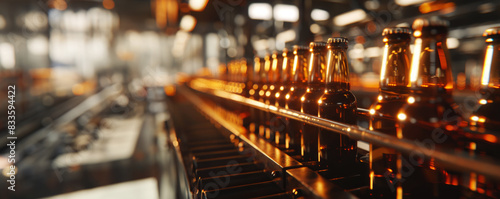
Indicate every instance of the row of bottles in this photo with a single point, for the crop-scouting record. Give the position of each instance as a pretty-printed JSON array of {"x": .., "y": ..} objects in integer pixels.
[{"x": 414, "y": 103}]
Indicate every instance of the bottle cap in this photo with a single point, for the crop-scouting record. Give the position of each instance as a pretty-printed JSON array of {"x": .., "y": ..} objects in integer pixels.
[
  {"x": 300, "y": 48},
  {"x": 341, "y": 40},
  {"x": 396, "y": 30},
  {"x": 316, "y": 44}
]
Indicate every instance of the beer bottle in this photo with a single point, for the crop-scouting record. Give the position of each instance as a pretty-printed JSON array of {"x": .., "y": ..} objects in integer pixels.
[
  {"x": 486, "y": 116},
  {"x": 253, "y": 93},
  {"x": 245, "y": 83},
  {"x": 264, "y": 95},
  {"x": 309, "y": 101},
  {"x": 484, "y": 121},
  {"x": 286, "y": 83},
  {"x": 297, "y": 90},
  {"x": 429, "y": 116},
  {"x": 277, "y": 71},
  {"x": 393, "y": 93},
  {"x": 337, "y": 152}
]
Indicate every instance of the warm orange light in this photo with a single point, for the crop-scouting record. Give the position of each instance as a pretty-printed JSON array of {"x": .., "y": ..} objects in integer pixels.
[
  {"x": 411, "y": 100},
  {"x": 372, "y": 111},
  {"x": 490, "y": 138},
  {"x": 481, "y": 119},
  {"x": 474, "y": 118},
  {"x": 372, "y": 178},
  {"x": 108, "y": 4},
  {"x": 169, "y": 90},
  {"x": 415, "y": 64},
  {"x": 435, "y": 6},
  {"x": 399, "y": 192},
  {"x": 417, "y": 33},
  {"x": 402, "y": 116},
  {"x": 78, "y": 89},
  {"x": 485, "y": 79},
  {"x": 473, "y": 181},
  {"x": 384, "y": 61},
  {"x": 160, "y": 13}
]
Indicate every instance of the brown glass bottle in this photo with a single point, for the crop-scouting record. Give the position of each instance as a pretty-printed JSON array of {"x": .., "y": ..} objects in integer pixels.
[
  {"x": 429, "y": 114},
  {"x": 253, "y": 93},
  {"x": 486, "y": 115},
  {"x": 275, "y": 83},
  {"x": 393, "y": 94},
  {"x": 485, "y": 121},
  {"x": 337, "y": 152},
  {"x": 265, "y": 70},
  {"x": 286, "y": 83},
  {"x": 309, "y": 101},
  {"x": 297, "y": 90},
  {"x": 245, "y": 83}
]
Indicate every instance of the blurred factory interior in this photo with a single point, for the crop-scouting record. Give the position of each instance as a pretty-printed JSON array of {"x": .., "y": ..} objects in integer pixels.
[{"x": 104, "y": 100}]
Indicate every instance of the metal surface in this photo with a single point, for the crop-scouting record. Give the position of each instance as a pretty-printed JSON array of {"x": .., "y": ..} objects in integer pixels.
[
  {"x": 447, "y": 158},
  {"x": 297, "y": 175}
]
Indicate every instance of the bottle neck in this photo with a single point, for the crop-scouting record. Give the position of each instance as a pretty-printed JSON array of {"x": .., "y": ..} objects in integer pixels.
[
  {"x": 299, "y": 70},
  {"x": 256, "y": 71},
  {"x": 264, "y": 69},
  {"x": 287, "y": 69},
  {"x": 395, "y": 70},
  {"x": 430, "y": 64},
  {"x": 317, "y": 66},
  {"x": 277, "y": 69},
  {"x": 337, "y": 71}
]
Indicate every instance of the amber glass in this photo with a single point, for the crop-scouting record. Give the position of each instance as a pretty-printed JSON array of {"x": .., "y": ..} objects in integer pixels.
[
  {"x": 297, "y": 90},
  {"x": 286, "y": 78},
  {"x": 245, "y": 83},
  {"x": 275, "y": 125},
  {"x": 393, "y": 94},
  {"x": 286, "y": 82},
  {"x": 253, "y": 93},
  {"x": 275, "y": 76},
  {"x": 429, "y": 109},
  {"x": 337, "y": 152},
  {"x": 486, "y": 116},
  {"x": 309, "y": 101},
  {"x": 265, "y": 71},
  {"x": 485, "y": 120}
]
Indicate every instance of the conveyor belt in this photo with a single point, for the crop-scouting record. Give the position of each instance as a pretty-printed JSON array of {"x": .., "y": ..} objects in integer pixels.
[{"x": 221, "y": 169}]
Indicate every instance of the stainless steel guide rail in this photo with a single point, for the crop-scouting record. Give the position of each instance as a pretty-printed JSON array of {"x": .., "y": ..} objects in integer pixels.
[{"x": 447, "y": 158}]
